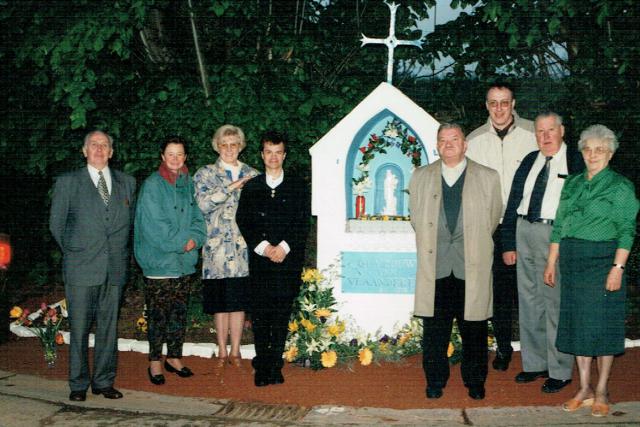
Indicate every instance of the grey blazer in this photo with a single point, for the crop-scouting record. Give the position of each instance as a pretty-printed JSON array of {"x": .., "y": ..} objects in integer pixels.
[{"x": 94, "y": 238}]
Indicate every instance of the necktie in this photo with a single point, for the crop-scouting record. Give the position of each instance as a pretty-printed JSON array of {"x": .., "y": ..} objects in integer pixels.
[
  {"x": 102, "y": 188},
  {"x": 535, "y": 203}
]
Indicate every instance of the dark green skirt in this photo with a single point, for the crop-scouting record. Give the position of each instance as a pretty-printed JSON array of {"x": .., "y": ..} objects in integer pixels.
[{"x": 591, "y": 318}]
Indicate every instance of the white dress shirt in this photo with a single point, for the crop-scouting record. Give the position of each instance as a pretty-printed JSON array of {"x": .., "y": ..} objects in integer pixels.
[
  {"x": 558, "y": 172},
  {"x": 273, "y": 184},
  {"x": 451, "y": 175},
  {"x": 93, "y": 173}
]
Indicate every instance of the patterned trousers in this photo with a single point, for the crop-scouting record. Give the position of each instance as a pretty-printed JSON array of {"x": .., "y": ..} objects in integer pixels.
[{"x": 166, "y": 301}]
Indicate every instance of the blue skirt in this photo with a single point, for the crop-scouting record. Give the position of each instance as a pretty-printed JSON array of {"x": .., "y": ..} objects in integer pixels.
[{"x": 591, "y": 318}]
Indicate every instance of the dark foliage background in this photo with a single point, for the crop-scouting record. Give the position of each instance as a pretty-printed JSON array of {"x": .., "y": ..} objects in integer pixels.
[{"x": 132, "y": 68}]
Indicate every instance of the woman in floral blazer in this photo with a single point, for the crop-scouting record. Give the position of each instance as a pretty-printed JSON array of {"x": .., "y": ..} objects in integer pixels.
[{"x": 225, "y": 267}]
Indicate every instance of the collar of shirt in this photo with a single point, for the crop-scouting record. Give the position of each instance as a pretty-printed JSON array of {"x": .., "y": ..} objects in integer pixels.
[
  {"x": 93, "y": 173},
  {"x": 274, "y": 182},
  {"x": 451, "y": 175},
  {"x": 233, "y": 170}
]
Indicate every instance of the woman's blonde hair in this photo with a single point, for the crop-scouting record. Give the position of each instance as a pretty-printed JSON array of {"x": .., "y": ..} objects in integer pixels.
[{"x": 227, "y": 130}]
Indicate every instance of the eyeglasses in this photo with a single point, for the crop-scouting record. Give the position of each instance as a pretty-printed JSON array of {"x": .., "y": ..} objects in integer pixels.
[
  {"x": 229, "y": 146},
  {"x": 597, "y": 150},
  {"x": 505, "y": 103}
]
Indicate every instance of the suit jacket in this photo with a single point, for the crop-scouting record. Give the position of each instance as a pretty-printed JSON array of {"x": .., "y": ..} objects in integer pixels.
[
  {"x": 575, "y": 164},
  {"x": 274, "y": 219},
  {"x": 94, "y": 238},
  {"x": 481, "y": 209}
]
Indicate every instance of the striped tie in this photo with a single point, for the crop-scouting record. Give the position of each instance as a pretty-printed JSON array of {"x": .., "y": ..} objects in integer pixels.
[{"x": 102, "y": 188}]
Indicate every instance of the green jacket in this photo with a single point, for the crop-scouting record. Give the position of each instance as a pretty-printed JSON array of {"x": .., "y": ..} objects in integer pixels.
[{"x": 167, "y": 217}]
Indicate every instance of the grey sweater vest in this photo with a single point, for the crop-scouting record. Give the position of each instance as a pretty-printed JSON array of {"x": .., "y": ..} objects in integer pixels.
[{"x": 450, "y": 246}]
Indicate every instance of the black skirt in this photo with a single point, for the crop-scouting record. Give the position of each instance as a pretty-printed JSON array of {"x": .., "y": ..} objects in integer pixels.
[
  {"x": 225, "y": 295},
  {"x": 591, "y": 318}
]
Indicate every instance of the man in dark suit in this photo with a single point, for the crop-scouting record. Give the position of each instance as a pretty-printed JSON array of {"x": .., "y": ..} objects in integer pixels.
[
  {"x": 273, "y": 217},
  {"x": 91, "y": 217},
  {"x": 527, "y": 225}
]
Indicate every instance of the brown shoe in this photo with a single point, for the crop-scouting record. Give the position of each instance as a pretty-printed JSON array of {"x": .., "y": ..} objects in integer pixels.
[{"x": 575, "y": 404}]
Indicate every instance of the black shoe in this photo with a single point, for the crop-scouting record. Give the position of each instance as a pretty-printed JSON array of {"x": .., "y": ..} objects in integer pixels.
[
  {"x": 527, "y": 377},
  {"x": 434, "y": 392},
  {"x": 183, "y": 373},
  {"x": 501, "y": 362},
  {"x": 78, "y": 396},
  {"x": 155, "y": 379},
  {"x": 476, "y": 392},
  {"x": 552, "y": 385},
  {"x": 276, "y": 376},
  {"x": 260, "y": 379},
  {"x": 109, "y": 392}
]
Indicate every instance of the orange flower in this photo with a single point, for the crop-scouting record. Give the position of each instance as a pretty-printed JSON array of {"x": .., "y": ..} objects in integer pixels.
[
  {"x": 365, "y": 356},
  {"x": 323, "y": 312},
  {"x": 15, "y": 312},
  {"x": 404, "y": 338},
  {"x": 329, "y": 359},
  {"x": 293, "y": 326},
  {"x": 291, "y": 354},
  {"x": 450, "y": 350},
  {"x": 59, "y": 339},
  {"x": 308, "y": 325}
]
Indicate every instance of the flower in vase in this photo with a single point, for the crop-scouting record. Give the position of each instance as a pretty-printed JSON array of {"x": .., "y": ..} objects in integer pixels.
[
  {"x": 365, "y": 356},
  {"x": 59, "y": 338},
  {"x": 329, "y": 359}
]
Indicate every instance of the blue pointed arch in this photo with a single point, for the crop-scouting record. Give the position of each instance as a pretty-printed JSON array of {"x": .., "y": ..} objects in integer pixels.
[{"x": 375, "y": 125}]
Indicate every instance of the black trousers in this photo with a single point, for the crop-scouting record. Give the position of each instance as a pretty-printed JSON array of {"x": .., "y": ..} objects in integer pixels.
[
  {"x": 449, "y": 304},
  {"x": 505, "y": 287},
  {"x": 272, "y": 302}
]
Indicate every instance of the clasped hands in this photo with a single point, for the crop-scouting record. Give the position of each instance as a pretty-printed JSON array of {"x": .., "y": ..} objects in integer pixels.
[{"x": 275, "y": 253}]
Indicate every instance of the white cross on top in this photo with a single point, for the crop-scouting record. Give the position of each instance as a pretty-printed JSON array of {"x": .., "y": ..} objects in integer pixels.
[{"x": 391, "y": 41}]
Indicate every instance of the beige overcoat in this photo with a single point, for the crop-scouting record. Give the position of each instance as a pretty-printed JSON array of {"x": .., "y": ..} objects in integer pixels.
[{"x": 481, "y": 210}]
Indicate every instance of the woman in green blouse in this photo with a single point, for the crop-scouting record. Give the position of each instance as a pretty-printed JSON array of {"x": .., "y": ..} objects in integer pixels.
[{"x": 592, "y": 235}]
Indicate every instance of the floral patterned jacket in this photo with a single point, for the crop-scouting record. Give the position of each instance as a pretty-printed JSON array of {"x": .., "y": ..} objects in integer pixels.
[{"x": 224, "y": 254}]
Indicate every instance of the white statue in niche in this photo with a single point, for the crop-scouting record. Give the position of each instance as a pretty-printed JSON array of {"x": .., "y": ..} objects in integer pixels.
[{"x": 390, "y": 200}]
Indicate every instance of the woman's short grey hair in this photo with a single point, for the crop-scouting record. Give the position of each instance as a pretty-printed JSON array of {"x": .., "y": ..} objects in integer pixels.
[
  {"x": 227, "y": 130},
  {"x": 600, "y": 133}
]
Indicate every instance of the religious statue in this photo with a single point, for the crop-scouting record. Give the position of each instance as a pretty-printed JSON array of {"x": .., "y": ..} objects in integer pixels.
[{"x": 390, "y": 200}]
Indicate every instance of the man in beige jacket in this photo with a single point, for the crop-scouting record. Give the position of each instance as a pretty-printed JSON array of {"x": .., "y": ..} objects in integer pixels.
[{"x": 455, "y": 208}]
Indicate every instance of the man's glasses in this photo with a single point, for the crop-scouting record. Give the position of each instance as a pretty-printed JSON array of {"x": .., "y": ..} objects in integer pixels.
[{"x": 505, "y": 103}]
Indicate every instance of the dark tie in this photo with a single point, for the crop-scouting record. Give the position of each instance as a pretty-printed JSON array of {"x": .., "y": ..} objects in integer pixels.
[
  {"x": 535, "y": 203},
  {"x": 102, "y": 188}
]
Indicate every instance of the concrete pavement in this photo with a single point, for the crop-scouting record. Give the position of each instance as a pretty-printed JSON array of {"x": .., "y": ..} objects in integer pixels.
[{"x": 27, "y": 401}]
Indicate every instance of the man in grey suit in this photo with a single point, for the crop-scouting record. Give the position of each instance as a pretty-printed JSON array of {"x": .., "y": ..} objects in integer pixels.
[
  {"x": 455, "y": 208},
  {"x": 91, "y": 216}
]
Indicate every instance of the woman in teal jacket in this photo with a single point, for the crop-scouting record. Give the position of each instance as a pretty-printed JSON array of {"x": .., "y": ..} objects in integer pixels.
[{"x": 169, "y": 229}]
